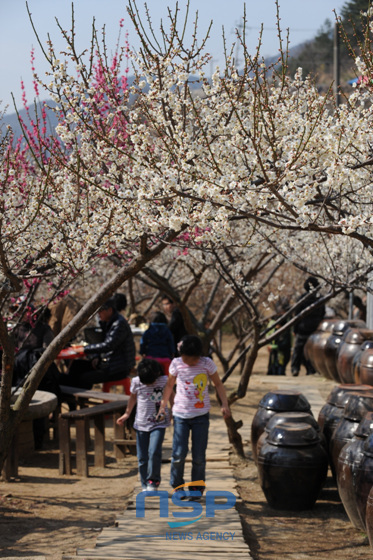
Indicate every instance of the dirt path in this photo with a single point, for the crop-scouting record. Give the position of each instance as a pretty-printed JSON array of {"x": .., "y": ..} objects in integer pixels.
[{"x": 44, "y": 514}]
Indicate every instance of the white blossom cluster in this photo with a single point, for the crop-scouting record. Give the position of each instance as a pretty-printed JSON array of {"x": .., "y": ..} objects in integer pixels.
[{"x": 250, "y": 153}]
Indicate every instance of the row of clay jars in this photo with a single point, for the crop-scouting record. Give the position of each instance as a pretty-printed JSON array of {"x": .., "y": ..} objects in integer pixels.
[
  {"x": 349, "y": 458},
  {"x": 332, "y": 411},
  {"x": 352, "y": 485},
  {"x": 357, "y": 406},
  {"x": 274, "y": 402},
  {"x": 292, "y": 466},
  {"x": 323, "y": 345}
]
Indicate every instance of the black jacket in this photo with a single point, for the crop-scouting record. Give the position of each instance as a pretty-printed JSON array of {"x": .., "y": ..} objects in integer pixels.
[
  {"x": 310, "y": 322},
  {"x": 176, "y": 325},
  {"x": 117, "y": 351}
]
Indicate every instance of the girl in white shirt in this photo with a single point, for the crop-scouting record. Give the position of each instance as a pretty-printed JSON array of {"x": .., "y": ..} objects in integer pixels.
[{"x": 191, "y": 371}]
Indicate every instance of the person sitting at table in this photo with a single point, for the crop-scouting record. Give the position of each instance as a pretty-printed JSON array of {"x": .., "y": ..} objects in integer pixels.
[
  {"x": 31, "y": 337},
  {"x": 109, "y": 360}
]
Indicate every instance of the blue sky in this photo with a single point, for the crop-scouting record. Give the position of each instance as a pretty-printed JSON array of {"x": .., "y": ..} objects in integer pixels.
[{"x": 303, "y": 17}]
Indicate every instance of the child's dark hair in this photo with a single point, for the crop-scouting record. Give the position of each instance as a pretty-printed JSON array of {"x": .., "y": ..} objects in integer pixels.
[
  {"x": 191, "y": 345},
  {"x": 158, "y": 317},
  {"x": 149, "y": 370}
]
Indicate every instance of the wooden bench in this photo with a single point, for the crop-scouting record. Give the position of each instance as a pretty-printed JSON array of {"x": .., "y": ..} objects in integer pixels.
[
  {"x": 81, "y": 419},
  {"x": 80, "y": 397},
  {"x": 84, "y": 397}
]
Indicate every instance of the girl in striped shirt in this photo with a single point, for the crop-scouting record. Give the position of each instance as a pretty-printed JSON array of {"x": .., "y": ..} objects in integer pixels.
[{"x": 146, "y": 391}]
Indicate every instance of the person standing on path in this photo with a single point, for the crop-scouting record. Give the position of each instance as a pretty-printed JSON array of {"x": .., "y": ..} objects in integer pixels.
[
  {"x": 306, "y": 326},
  {"x": 191, "y": 371},
  {"x": 175, "y": 319},
  {"x": 157, "y": 341},
  {"x": 146, "y": 392}
]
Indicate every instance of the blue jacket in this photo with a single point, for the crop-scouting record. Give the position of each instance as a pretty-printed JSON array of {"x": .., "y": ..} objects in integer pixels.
[{"x": 157, "y": 341}]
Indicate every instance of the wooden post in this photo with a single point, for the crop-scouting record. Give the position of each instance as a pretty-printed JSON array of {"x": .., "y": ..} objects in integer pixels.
[
  {"x": 99, "y": 422},
  {"x": 81, "y": 446},
  {"x": 65, "y": 446}
]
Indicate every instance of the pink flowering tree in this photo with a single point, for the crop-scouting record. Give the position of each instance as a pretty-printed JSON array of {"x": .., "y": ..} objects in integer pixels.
[{"x": 65, "y": 203}]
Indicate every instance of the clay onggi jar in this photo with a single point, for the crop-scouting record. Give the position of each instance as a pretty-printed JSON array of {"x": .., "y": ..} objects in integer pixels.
[
  {"x": 350, "y": 345},
  {"x": 364, "y": 478},
  {"x": 356, "y": 362},
  {"x": 332, "y": 411},
  {"x": 357, "y": 406},
  {"x": 365, "y": 366},
  {"x": 369, "y": 517},
  {"x": 349, "y": 458},
  {"x": 315, "y": 346},
  {"x": 292, "y": 466}
]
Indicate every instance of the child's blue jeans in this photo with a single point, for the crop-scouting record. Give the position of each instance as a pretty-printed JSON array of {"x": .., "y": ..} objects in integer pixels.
[
  {"x": 149, "y": 455},
  {"x": 198, "y": 427}
]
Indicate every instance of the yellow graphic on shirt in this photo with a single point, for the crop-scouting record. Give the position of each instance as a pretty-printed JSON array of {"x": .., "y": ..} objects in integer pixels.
[{"x": 200, "y": 382}]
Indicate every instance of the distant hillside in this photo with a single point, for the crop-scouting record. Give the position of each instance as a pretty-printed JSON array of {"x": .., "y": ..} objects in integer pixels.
[
  {"x": 316, "y": 58},
  {"x": 293, "y": 53},
  {"x": 12, "y": 119}
]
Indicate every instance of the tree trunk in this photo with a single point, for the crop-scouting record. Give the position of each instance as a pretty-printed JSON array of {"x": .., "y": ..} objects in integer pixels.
[
  {"x": 248, "y": 367},
  {"x": 235, "y": 438},
  {"x": 233, "y": 426},
  {"x": 7, "y": 416}
]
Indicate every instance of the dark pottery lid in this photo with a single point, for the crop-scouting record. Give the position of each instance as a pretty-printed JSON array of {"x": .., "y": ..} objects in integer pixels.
[
  {"x": 283, "y": 400},
  {"x": 357, "y": 405},
  {"x": 326, "y": 325},
  {"x": 340, "y": 393},
  {"x": 366, "y": 345},
  {"x": 342, "y": 326},
  {"x": 356, "y": 336},
  {"x": 291, "y": 417},
  {"x": 291, "y": 434},
  {"x": 366, "y": 426}
]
